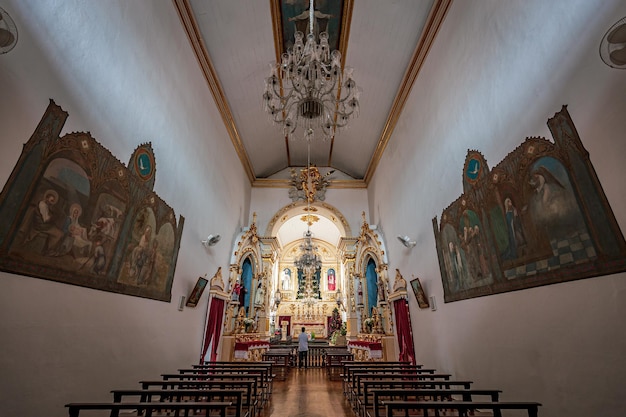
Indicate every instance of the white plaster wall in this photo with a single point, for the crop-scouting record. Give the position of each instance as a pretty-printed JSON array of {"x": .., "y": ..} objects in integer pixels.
[
  {"x": 497, "y": 72},
  {"x": 124, "y": 71}
]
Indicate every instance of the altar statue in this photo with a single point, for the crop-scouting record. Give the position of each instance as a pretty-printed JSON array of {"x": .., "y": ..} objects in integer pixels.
[
  {"x": 259, "y": 298},
  {"x": 234, "y": 296}
]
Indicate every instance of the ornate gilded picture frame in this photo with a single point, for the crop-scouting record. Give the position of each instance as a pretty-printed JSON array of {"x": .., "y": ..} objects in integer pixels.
[
  {"x": 420, "y": 295},
  {"x": 73, "y": 213},
  {"x": 538, "y": 217},
  {"x": 196, "y": 293}
]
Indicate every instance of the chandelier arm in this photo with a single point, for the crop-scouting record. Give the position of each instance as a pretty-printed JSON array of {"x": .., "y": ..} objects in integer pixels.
[{"x": 311, "y": 79}]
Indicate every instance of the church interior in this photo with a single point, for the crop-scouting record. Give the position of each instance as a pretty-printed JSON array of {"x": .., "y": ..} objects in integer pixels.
[{"x": 455, "y": 201}]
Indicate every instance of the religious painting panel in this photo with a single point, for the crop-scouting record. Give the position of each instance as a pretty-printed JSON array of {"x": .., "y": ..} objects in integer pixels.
[
  {"x": 331, "y": 280},
  {"x": 196, "y": 293},
  {"x": 539, "y": 217},
  {"x": 420, "y": 295},
  {"x": 295, "y": 18},
  {"x": 73, "y": 212}
]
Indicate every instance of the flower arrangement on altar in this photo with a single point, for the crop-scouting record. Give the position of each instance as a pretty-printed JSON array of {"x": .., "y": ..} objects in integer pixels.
[
  {"x": 335, "y": 327},
  {"x": 335, "y": 336},
  {"x": 334, "y": 322}
]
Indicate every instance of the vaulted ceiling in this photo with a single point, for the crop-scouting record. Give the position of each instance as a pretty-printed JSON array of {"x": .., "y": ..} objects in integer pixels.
[{"x": 385, "y": 42}]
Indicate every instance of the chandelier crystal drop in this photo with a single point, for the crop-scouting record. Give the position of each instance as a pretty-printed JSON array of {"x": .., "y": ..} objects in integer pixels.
[
  {"x": 309, "y": 89},
  {"x": 309, "y": 260}
]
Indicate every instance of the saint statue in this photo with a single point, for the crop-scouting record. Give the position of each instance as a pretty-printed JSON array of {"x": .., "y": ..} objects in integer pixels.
[
  {"x": 234, "y": 296},
  {"x": 259, "y": 298}
]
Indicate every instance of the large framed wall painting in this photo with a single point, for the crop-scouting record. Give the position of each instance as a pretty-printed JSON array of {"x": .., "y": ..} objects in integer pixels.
[
  {"x": 72, "y": 213},
  {"x": 538, "y": 217}
]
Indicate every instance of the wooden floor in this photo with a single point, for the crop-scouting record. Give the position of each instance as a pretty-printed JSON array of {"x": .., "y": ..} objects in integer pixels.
[{"x": 307, "y": 392}]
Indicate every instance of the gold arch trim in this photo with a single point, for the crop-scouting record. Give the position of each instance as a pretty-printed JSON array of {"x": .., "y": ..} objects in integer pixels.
[{"x": 298, "y": 208}]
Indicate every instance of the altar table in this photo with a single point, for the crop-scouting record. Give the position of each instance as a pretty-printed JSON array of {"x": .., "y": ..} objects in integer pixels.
[
  {"x": 251, "y": 351},
  {"x": 365, "y": 351}
]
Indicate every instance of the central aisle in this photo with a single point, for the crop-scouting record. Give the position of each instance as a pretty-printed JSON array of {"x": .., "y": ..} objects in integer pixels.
[{"x": 307, "y": 392}]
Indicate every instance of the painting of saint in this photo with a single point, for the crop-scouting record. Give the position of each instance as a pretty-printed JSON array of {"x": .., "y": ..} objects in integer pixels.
[
  {"x": 552, "y": 202},
  {"x": 473, "y": 243},
  {"x": 65, "y": 216},
  {"x": 422, "y": 300},
  {"x": 53, "y": 231},
  {"x": 332, "y": 285},
  {"x": 454, "y": 259},
  {"x": 196, "y": 293},
  {"x": 539, "y": 217},
  {"x": 74, "y": 235},
  {"x": 326, "y": 18}
]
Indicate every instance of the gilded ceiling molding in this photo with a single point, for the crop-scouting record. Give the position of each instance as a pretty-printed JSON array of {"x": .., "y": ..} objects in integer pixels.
[
  {"x": 344, "y": 36},
  {"x": 433, "y": 24},
  {"x": 285, "y": 183},
  {"x": 193, "y": 33}
]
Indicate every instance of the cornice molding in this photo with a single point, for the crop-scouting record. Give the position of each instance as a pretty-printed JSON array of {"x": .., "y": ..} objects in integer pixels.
[
  {"x": 433, "y": 24},
  {"x": 193, "y": 33}
]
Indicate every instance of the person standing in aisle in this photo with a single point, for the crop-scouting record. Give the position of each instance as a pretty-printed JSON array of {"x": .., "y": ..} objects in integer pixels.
[{"x": 303, "y": 348}]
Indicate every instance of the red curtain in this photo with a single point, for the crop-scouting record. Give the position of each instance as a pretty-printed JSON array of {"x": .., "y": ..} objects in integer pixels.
[
  {"x": 405, "y": 334},
  {"x": 213, "y": 328}
]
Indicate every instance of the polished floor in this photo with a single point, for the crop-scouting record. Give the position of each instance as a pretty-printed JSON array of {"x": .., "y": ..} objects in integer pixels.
[{"x": 307, "y": 393}]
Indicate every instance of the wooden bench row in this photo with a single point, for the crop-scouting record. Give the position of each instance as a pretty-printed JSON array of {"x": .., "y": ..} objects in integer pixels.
[
  {"x": 376, "y": 389},
  {"x": 237, "y": 389}
]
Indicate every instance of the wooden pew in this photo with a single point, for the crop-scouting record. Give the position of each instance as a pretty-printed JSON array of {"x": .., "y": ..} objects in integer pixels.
[
  {"x": 281, "y": 358},
  {"x": 373, "y": 398},
  {"x": 389, "y": 369},
  {"x": 149, "y": 409},
  {"x": 348, "y": 367},
  {"x": 234, "y": 396},
  {"x": 259, "y": 391},
  {"x": 334, "y": 360},
  {"x": 250, "y": 399},
  {"x": 265, "y": 379},
  {"x": 356, "y": 386},
  {"x": 464, "y": 408},
  {"x": 220, "y": 365}
]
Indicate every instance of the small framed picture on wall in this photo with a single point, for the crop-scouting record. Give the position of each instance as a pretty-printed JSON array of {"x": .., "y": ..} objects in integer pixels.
[
  {"x": 195, "y": 295},
  {"x": 422, "y": 300}
]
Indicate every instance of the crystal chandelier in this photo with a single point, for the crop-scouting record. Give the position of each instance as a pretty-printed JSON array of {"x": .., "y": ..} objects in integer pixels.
[
  {"x": 308, "y": 88},
  {"x": 308, "y": 261}
]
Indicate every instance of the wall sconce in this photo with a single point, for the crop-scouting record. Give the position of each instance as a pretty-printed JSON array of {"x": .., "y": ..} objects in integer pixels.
[
  {"x": 406, "y": 241},
  {"x": 211, "y": 240}
]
